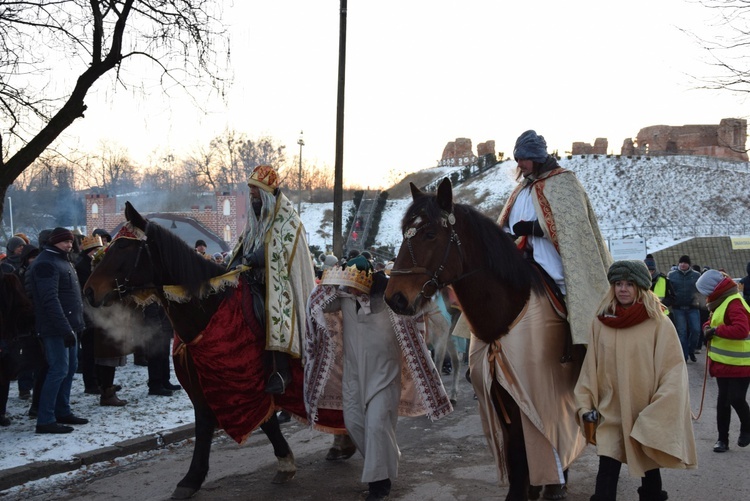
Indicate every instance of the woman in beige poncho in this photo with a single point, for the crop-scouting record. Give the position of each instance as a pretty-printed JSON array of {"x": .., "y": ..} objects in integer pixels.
[{"x": 634, "y": 385}]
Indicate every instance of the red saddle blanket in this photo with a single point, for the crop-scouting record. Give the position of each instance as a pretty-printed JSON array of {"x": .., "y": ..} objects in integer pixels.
[{"x": 228, "y": 360}]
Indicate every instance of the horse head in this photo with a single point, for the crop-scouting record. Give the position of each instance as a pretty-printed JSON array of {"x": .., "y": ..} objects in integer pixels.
[
  {"x": 125, "y": 264},
  {"x": 446, "y": 243},
  {"x": 430, "y": 254}
]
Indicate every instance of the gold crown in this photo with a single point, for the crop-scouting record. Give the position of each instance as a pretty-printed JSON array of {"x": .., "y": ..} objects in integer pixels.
[
  {"x": 91, "y": 242},
  {"x": 265, "y": 178},
  {"x": 351, "y": 276}
]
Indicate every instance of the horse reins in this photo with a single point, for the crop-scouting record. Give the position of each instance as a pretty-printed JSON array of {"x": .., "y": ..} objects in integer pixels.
[{"x": 434, "y": 280}]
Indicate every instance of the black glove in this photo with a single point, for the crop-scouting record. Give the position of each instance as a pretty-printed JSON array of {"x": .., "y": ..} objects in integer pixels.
[
  {"x": 591, "y": 416},
  {"x": 70, "y": 340},
  {"x": 709, "y": 332},
  {"x": 522, "y": 228},
  {"x": 254, "y": 259}
]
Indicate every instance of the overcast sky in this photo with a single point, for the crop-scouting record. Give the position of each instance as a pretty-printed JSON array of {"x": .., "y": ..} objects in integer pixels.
[{"x": 420, "y": 73}]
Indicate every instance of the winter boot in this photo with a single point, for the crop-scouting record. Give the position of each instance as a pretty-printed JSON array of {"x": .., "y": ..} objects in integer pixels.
[
  {"x": 646, "y": 495},
  {"x": 109, "y": 398}
]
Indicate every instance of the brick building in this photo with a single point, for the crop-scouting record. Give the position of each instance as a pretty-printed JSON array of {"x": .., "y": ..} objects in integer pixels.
[{"x": 219, "y": 219}]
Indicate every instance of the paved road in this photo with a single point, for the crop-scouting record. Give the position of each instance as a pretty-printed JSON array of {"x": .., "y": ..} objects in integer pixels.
[{"x": 446, "y": 460}]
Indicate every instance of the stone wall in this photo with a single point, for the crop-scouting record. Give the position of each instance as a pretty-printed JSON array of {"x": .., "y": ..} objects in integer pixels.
[{"x": 726, "y": 140}]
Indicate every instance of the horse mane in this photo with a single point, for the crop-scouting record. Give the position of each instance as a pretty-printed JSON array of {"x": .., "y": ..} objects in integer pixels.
[
  {"x": 183, "y": 265},
  {"x": 499, "y": 253}
]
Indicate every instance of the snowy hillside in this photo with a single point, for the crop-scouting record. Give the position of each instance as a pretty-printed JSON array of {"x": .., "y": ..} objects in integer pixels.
[{"x": 662, "y": 199}]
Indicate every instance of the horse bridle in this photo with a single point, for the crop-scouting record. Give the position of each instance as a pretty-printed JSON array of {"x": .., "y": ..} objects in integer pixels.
[
  {"x": 434, "y": 281},
  {"x": 123, "y": 289}
]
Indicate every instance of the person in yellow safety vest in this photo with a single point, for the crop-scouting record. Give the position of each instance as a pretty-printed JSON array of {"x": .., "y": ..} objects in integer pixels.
[
  {"x": 660, "y": 284},
  {"x": 727, "y": 332}
]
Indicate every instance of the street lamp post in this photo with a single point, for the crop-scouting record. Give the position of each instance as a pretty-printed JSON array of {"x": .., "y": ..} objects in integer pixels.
[
  {"x": 10, "y": 211},
  {"x": 301, "y": 143}
]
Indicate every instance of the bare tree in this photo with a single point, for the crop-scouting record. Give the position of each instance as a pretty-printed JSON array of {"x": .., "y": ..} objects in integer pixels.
[
  {"x": 727, "y": 47},
  {"x": 180, "y": 38}
]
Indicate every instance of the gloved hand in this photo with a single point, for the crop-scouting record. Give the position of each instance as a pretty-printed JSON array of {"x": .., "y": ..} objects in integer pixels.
[
  {"x": 522, "y": 228},
  {"x": 709, "y": 332},
  {"x": 591, "y": 416},
  {"x": 254, "y": 259},
  {"x": 70, "y": 340}
]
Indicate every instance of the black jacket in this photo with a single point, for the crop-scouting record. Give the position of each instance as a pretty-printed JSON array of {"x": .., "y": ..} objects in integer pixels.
[{"x": 53, "y": 285}]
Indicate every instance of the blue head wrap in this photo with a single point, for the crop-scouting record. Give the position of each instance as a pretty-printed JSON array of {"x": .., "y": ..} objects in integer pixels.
[{"x": 530, "y": 146}]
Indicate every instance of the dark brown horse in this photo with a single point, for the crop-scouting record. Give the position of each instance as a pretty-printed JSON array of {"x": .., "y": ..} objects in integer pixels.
[
  {"x": 520, "y": 359},
  {"x": 150, "y": 260}
]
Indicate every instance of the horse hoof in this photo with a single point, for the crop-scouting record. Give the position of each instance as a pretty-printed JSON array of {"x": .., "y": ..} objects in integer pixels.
[
  {"x": 183, "y": 492},
  {"x": 283, "y": 477}
]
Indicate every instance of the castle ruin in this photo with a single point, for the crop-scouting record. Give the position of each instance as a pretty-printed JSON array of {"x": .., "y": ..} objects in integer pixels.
[{"x": 726, "y": 140}]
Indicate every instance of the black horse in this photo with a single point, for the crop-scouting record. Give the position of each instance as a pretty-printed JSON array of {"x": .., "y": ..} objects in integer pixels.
[{"x": 148, "y": 259}]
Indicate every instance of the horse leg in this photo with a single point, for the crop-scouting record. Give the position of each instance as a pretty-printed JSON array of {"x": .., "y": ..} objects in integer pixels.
[
  {"x": 515, "y": 446},
  {"x": 205, "y": 424},
  {"x": 281, "y": 450}
]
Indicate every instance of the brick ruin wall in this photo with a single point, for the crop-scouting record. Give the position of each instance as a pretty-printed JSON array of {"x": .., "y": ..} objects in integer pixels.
[{"x": 726, "y": 140}]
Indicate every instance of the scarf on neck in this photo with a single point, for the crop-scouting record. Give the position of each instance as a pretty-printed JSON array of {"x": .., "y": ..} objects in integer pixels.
[
  {"x": 723, "y": 290},
  {"x": 625, "y": 317}
]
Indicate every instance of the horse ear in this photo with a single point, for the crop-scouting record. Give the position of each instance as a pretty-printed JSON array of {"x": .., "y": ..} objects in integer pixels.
[
  {"x": 445, "y": 195},
  {"x": 415, "y": 192},
  {"x": 134, "y": 217}
]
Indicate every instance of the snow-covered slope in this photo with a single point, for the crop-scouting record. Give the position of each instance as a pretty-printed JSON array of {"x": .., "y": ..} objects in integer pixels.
[{"x": 662, "y": 199}]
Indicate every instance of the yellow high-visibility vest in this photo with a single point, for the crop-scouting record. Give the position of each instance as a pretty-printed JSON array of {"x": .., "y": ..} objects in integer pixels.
[
  {"x": 660, "y": 289},
  {"x": 729, "y": 351}
]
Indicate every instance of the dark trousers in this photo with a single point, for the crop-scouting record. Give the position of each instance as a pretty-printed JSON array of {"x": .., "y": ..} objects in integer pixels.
[
  {"x": 732, "y": 394},
  {"x": 86, "y": 361},
  {"x": 609, "y": 474},
  {"x": 105, "y": 375}
]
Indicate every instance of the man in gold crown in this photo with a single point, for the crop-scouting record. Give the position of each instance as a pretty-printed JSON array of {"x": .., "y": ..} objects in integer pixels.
[
  {"x": 355, "y": 348},
  {"x": 281, "y": 274}
]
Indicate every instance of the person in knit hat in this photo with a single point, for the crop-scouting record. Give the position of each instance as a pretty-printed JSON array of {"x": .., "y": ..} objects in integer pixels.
[
  {"x": 58, "y": 309},
  {"x": 633, "y": 387},
  {"x": 728, "y": 351},
  {"x": 685, "y": 312},
  {"x": 12, "y": 260},
  {"x": 547, "y": 199}
]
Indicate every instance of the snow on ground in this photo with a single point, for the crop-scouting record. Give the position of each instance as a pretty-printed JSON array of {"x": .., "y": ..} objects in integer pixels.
[{"x": 142, "y": 416}]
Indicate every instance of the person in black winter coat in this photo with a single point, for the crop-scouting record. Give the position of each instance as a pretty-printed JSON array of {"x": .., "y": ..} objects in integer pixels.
[{"x": 58, "y": 307}]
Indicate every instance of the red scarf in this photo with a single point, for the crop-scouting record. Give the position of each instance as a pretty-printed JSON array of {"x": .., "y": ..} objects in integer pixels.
[{"x": 625, "y": 317}]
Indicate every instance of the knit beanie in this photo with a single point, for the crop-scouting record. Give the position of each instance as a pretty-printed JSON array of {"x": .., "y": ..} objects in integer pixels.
[
  {"x": 632, "y": 270},
  {"x": 530, "y": 146},
  {"x": 60, "y": 235},
  {"x": 685, "y": 259},
  {"x": 650, "y": 263},
  {"x": 708, "y": 282},
  {"x": 13, "y": 244}
]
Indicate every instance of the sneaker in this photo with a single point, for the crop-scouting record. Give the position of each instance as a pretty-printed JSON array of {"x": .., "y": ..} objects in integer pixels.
[
  {"x": 4, "y": 420},
  {"x": 720, "y": 446},
  {"x": 72, "y": 419},
  {"x": 53, "y": 428},
  {"x": 744, "y": 439}
]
